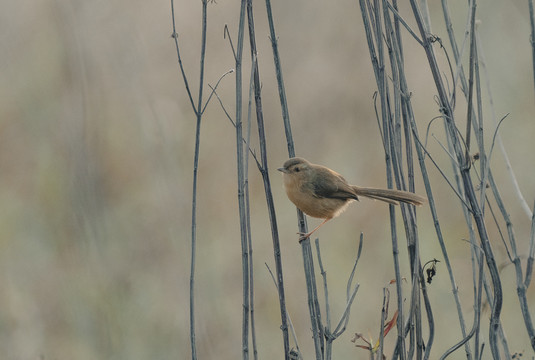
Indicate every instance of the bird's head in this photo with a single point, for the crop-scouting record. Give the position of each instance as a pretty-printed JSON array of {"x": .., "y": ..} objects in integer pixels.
[{"x": 296, "y": 171}]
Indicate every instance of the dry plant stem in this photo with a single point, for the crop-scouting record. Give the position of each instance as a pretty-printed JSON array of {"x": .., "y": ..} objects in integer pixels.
[
  {"x": 265, "y": 177},
  {"x": 520, "y": 283},
  {"x": 184, "y": 77},
  {"x": 280, "y": 81},
  {"x": 484, "y": 162},
  {"x": 431, "y": 202},
  {"x": 398, "y": 17},
  {"x": 241, "y": 185},
  {"x": 384, "y": 316},
  {"x": 284, "y": 104},
  {"x": 350, "y": 294},
  {"x": 372, "y": 24},
  {"x": 498, "y": 139},
  {"x": 471, "y": 82},
  {"x": 198, "y": 113},
  {"x": 423, "y": 168},
  {"x": 214, "y": 88},
  {"x": 328, "y": 346},
  {"x": 248, "y": 215},
  {"x": 464, "y": 88},
  {"x": 455, "y": 168},
  {"x": 330, "y": 335},
  {"x": 328, "y": 350},
  {"x": 245, "y": 141},
  {"x": 532, "y": 36},
  {"x": 468, "y": 187},
  {"x": 314, "y": 310},
  {"x": 477, "y": 314},
  {"x": 408, "y": 213},
  {"x": 531, "y": 256},
  {"x": 290, "y": 324},
  {"x": 478, "y": 129},
  {"x": 313, "y": 305},
  {"x": 392, "y": 140}
]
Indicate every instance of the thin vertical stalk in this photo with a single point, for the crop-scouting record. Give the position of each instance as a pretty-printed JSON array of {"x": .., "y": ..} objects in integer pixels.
[
  {"x": 470, "y": 109},
  {"x": 194, "y": 242},
  {"x": 195, "y": 167},
  {"x": 313, "y": 303},
  {"x": 331, "y": 335},
  {"x": 531, "y": 256},
  {"x": 267, "y": 184},
  {"x": 180, "y": 65},
  {"x": 532, "y": 37},
  {"x": 248, "y": 215},
  {"x": 408, "y": 212},
  {"x": 313, "y": 308},
  {"x": 477, "y": 314},
  {"x": 520, "y": 283},
  {"x": 475, "y": 209},
  {"x": 198, "y": 113},
  {"x": 241, "y": 182},
  {"x": 372, "y": 25},
  {"x": 280, "y": 81},
  {"x": 464, "y": 88}
]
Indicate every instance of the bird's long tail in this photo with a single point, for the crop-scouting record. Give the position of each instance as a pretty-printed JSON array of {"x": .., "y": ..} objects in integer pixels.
[{"x": 390, "y": 196}]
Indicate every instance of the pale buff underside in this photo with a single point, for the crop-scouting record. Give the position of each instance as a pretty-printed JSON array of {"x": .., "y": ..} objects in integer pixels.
[{"x": 325, "y": 209}]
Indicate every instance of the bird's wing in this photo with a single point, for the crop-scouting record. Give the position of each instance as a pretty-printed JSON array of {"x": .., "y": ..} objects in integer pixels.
[{"x": 333, "y": 185}]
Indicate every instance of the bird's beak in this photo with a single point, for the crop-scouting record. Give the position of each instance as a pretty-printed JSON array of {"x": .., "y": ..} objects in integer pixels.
[{"x": 282, "y": 170}]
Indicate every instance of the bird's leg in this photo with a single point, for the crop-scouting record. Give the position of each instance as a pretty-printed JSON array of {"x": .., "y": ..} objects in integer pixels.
[{"x": 307, "y": 235}]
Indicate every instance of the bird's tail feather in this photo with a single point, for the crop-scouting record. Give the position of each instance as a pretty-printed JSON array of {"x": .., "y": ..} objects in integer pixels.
[{"x": 390, "y": 196}]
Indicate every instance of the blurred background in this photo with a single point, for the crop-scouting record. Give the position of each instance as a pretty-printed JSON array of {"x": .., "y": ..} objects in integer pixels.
[{"x": 96, "y": 155}]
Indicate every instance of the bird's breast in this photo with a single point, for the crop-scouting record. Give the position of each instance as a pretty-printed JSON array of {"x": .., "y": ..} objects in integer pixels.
[{"x": 304, "y": 198}]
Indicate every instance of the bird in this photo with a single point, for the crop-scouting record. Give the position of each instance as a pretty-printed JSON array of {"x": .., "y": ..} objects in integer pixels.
[{"x": 323, "y": 193}]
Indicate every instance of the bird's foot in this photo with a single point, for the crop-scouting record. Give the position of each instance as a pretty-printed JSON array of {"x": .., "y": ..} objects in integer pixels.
[{"x": 303, "y": 236}]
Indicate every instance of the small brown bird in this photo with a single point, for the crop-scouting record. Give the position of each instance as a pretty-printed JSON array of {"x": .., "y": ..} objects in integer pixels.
[{"x": 323, "y": 193}]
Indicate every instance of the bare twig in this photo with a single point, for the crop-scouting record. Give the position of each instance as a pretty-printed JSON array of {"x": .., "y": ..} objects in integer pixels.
[
  {"x": 473, "y": 60},
  {"x": 400, "y": 18},
  {"x": 290, "y": 324},
  {"x": 328, "y": 346},
  {"x": 532, "y": 36},
  {"x": 531, "y": 256},
  {"x": 184, "y": 77},
  {"x": 477, "y": 313},
  {"x": 499, "y": 141},
  {"x": 241, "y": 185},
  {"x": 245, "y": 141},
  {"x": 342, "y": 323},
  {"x": 312, "y": 296},
  {"x": 214, "y": 89},
  {"x": 314, "y": 310},
  {"x": 371, "y": 17},
  {"x": 468, "y": 187},
  {"x": 265, "y": 177},
  {"x": 280, "y": 82},
  {"x": 198, "y": 114},
  {"x": 248, "y": 214},
  {"x": 520, "y": 282},
  {"x": 325, "y": 292},
  {"x": 350, "y": 295}
]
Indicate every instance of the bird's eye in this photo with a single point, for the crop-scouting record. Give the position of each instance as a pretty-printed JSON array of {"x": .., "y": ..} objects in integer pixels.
[{"x": 297, "y": 169}]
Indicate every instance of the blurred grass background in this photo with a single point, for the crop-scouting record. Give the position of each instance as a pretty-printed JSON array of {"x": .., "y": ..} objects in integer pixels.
[{"x": 96, "y": 153}]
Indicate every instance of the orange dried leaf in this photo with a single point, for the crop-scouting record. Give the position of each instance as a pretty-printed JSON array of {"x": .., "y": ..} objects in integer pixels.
[{"x": 389, "y": 325}]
